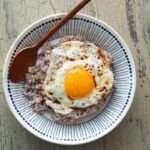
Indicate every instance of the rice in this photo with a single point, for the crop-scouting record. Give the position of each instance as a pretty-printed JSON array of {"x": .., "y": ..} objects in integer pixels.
[{"x": 34, "y": 81}]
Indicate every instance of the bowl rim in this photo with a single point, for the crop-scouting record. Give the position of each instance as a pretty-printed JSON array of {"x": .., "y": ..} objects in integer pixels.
[{"x": 11, "y": 107}]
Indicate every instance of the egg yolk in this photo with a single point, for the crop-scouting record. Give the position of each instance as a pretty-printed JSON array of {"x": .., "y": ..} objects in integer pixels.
[{"x": 78, "y": 82}]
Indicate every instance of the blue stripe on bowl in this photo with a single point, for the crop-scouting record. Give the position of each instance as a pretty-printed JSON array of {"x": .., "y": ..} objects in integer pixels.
[{"x": 121, "y": 66}]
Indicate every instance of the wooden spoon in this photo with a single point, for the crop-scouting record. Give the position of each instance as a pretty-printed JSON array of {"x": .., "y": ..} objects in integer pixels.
[{"x": 27, "y": 56}]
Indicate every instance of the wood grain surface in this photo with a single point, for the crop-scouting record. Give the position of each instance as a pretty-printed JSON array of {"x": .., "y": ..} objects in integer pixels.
[{"x": 131, "y": 18}]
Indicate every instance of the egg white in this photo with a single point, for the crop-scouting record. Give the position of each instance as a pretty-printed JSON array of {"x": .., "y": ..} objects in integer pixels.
[{"x": 83, "y": 55}]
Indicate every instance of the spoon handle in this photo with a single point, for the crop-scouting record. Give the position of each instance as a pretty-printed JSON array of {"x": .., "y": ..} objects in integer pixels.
[{"x": 61, "y": 23}]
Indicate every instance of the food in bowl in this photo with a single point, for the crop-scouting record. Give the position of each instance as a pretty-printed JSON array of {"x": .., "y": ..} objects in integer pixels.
[{"x": 70, "y": 79}]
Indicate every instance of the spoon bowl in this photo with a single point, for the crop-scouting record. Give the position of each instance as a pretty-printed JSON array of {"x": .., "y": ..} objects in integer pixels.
[{"x": 25, "y": 58}]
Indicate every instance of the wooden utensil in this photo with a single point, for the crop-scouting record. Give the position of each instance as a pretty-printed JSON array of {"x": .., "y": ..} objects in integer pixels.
[{"x": 27, "y": 56}]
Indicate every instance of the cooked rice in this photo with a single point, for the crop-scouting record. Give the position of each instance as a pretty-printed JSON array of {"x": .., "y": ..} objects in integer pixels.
[{"x": 34, "y": 81}]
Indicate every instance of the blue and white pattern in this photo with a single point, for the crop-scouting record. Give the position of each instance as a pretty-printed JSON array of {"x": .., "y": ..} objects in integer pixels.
[{"x": 123, "y": 67}]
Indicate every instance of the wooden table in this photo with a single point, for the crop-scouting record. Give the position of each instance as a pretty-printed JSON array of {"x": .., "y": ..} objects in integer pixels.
[{"x": 131, "y": 18}]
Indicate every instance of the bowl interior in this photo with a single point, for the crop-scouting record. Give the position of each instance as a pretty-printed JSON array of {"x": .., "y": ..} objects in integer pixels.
[{"x": 123, "y": 67}]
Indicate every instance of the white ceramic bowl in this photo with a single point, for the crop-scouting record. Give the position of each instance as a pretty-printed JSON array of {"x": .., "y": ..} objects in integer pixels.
[{"x": 101, "y": 34}]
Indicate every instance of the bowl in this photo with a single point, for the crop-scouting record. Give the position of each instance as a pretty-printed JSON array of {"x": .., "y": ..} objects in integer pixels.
[{"x": 111, "y": 115}]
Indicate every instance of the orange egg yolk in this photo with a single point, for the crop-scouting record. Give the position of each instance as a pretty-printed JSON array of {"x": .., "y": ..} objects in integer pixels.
[{"x": 78, "y": 82}]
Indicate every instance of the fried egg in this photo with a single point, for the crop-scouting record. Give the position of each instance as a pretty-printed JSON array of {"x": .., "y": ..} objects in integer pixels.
[{"x": 78, "y": 76}]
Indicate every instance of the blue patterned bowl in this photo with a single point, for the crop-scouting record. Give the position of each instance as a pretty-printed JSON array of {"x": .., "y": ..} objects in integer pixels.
[{"x": 101, "y": 34}]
